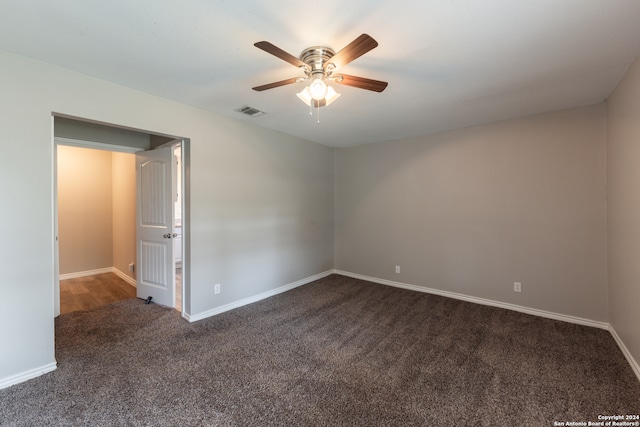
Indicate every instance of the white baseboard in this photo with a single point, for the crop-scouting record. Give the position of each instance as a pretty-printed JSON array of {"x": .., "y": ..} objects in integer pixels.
[
  {"x": 625, "y": 351},
  {"x": 256, "y": 298},
  {"x": 125, "y": 277},
  {"x": 24, "y": 376},
  {"x": 113, "y": 270},
  {"x": 86, "y": 273},
  {"x": 483, "y": 301}
]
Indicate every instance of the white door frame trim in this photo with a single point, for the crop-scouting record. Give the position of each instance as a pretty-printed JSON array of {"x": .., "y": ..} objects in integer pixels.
[{"x": 185, "y": 149}]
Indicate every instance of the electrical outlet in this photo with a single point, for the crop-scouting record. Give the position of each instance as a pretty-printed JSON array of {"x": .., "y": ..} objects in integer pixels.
[
  {"x": 132, "y": 267},
  {"x": 216, "y": 289},
  {"x": 517, "y": 287},
  {"x": 397, "y": 269}
]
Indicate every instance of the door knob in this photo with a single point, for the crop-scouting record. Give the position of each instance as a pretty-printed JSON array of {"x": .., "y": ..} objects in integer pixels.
[{"x": 167, "y": 236}]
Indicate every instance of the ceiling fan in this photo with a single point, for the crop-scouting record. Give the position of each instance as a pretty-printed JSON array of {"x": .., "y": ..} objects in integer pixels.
[{"x": 318, "y": 64}]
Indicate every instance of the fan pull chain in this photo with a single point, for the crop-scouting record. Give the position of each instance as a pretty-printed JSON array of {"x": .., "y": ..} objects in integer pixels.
[{"x": 318, "y": 113}]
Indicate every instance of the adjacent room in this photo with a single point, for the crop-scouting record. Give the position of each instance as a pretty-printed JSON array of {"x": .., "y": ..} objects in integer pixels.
[
  {"x": 362, "y": 213},
  {"x": 96, "y": 197}
]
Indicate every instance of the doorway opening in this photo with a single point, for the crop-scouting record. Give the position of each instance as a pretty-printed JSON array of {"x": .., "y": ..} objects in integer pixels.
[{"x": 109, "y": 227}]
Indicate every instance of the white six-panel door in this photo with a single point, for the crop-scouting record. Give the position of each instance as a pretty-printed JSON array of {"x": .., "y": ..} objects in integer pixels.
[{"x": 154, "y": 226}]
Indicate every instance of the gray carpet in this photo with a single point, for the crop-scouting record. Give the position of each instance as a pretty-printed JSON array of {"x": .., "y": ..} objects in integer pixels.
[{"x": 338, "y": 351}]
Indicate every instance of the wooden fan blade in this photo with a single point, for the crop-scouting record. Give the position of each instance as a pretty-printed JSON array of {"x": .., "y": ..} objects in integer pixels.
[
  {"x": 276, "y": 51},
  {"x": 353, "y": 50},
  {"x": 276, "y": 84},
  {"x": 361, "y": 82}
]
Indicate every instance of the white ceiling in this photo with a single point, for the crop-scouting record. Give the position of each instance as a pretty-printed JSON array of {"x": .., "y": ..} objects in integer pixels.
[{"x": 449, "y": 64}]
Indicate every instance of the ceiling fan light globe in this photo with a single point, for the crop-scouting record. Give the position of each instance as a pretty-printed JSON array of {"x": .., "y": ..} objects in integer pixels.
[
  {"x": 332, "y": 95},
  {"x": 305, "y": 96},
  {"x": 318, "y": 89}
]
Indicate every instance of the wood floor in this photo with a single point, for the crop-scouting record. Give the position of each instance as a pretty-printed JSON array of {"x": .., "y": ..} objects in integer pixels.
[{"x": 86, "y": 293}]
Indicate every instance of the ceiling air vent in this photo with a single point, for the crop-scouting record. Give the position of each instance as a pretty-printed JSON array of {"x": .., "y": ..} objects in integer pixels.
[{"x": 250, "y": 111}]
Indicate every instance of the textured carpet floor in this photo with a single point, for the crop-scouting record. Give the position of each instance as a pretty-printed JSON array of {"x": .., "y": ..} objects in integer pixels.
[{"x": 338, "y": 351}]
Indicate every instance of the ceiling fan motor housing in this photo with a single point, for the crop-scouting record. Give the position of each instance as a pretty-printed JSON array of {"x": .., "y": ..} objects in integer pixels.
[{"x": 316, "y": 57}]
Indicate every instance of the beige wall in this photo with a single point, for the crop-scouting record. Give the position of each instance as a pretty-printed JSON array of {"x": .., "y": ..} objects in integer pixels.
[
  {"x": 124, "y": 211},
  {"x": 474, "y": 210},
  {"x": 96, "y": 210},
  {"x": 85, "y": 220},
  {"x": 623, "y": 209}
]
